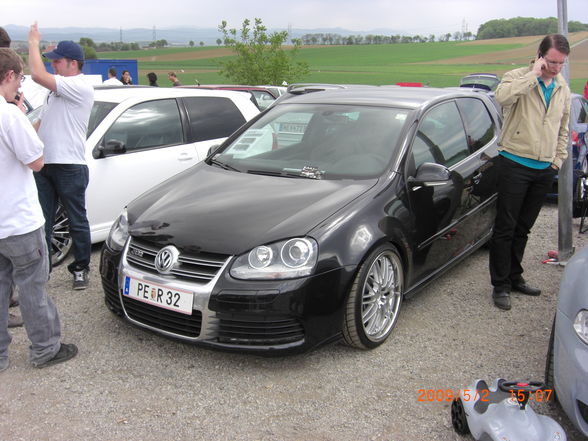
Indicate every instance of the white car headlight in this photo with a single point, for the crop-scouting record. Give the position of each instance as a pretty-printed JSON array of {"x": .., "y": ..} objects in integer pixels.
[
  {"x": 581, "y": 325},
  {"x": 118, "y": 233},
  {"x": 286, "y": 259}
]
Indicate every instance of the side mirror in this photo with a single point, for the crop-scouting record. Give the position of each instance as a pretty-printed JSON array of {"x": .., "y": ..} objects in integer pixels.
[
  {"x": 110, "y": 148},
  {"x": 212, "y": 150},
  {"x": 430, "y": 175}
]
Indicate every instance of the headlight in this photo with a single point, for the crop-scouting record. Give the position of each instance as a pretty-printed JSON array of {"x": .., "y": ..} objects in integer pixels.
[
  {"x": 118, "y": 233},
  {"x": 287, "y": 259},
  {"x": 581, "y": 325}
]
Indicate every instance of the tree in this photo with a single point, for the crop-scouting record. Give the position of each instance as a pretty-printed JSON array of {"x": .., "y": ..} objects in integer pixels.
[
  {"x": 191, "y": 43},
  {"x": 89, "y": 53},
  {"x": 84, "y": 41},
  {"x": 201, "y": 44},
  {"x": 219, "y": 41},
  {"x": 158, "y": 44},
  {"x": 260, "y": 58}
]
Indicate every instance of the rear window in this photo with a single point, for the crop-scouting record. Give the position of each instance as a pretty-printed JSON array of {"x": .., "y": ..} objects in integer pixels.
[{"x": 212, "y": 117}]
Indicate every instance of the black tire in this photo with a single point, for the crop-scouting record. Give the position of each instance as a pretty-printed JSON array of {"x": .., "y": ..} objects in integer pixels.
[
  {"x": 549, "y": 373},
  {"x": 375, "y": 299},
  {"x": 580, "y": 196},
  {"x": 61, "y": 240},
  {"x": 458, "y": 417}
]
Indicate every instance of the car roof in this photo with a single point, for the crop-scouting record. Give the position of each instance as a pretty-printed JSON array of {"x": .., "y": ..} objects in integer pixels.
[
  {"x": 118, "y": 94},
  {"x": 406, "y": 97}
]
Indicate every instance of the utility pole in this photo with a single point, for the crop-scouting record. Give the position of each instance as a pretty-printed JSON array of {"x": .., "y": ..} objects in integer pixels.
[{"x": 564, "y": 188}]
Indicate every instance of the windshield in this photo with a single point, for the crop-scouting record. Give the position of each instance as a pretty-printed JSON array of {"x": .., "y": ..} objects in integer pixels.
[
  {"x": 488, "y": 82},
  {"x": 99, "y": 111},
  {"x": 317, "y": 142}
]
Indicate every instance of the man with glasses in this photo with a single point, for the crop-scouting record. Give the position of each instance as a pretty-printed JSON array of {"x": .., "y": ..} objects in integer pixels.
[
  {"x": 62, "y": 128},
  {"x": 13, "y": 320},
  {"x": 23, "y": 249},
  {"x": 535, "y": 103}
]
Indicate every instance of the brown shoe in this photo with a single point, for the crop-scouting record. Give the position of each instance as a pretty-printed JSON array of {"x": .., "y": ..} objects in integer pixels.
[{"x": 14, "y": 321}]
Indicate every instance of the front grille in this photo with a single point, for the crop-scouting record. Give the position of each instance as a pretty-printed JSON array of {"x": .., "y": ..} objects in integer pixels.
[
  {"x": 111, "y": 297},
  {"x": 253, "y": 330},
  {"x": 198, "y": 268},
  {"x": 163, "y": 319},
  {"x": 235, "y": 301}
]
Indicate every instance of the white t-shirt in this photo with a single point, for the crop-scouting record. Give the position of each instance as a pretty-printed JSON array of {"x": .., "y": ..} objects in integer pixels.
[
  {"x": 112, "y": 82},
  {"x": 20, "y": 212},
  {"x": 64, "y": 120}
]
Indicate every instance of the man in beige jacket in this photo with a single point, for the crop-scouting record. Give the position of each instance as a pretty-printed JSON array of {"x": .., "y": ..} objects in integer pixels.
[{"x": 535, "y": 102}]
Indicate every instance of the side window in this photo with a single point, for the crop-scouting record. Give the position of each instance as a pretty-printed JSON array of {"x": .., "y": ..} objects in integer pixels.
[
  {"x": 264, "y": 99},
  {"x": 583, "y": 117},
  {"x": 479, "y": 124},
  {"x": 212, "y": 117},
  {"x": 147, "y": 125},
  {"x": 440, "y": 137}
]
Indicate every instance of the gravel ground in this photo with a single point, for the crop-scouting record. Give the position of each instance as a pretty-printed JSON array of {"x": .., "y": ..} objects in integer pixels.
[{"x": 130, "y": 384}]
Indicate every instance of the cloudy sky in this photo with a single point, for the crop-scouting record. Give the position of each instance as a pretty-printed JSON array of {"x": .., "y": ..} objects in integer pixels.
[{"x": 408, "y": 17}]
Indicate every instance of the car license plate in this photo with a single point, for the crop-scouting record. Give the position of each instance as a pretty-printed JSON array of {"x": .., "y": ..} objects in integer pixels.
[{"x": 157, "y": 295}]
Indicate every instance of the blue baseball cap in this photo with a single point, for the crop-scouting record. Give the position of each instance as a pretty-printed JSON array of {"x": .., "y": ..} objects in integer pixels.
[{"x": 66, "y": 49}]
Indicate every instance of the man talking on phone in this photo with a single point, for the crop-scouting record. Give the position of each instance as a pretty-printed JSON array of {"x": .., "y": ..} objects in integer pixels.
[{"x": 535, "y": 104}]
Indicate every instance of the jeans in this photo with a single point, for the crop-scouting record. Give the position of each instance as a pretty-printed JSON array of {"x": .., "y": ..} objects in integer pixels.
[
  {"x": 521, "y": 192},
  {"x": 67, "y": 182},
  {"x": 24, "y": 262}
]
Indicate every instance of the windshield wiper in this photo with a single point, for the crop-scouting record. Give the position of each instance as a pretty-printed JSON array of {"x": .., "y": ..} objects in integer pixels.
[
  {"x": 284, "y": 174},
  {"x": 224, "y": 165}
]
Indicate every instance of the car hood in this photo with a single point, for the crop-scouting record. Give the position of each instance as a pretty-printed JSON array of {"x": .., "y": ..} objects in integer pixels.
[{"x": 214, "y": 210}]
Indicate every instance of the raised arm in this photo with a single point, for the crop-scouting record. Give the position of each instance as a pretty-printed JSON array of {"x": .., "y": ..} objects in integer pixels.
[{"x": 38, "y": 72}]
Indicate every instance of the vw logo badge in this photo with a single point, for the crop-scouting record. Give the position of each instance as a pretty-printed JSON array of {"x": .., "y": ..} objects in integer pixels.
[{"x": 166, "y": 259}]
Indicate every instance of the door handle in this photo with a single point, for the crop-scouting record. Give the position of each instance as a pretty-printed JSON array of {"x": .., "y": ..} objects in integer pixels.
[{"x": 185, "y": 156}]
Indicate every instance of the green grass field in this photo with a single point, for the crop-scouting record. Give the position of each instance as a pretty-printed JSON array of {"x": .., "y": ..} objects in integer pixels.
[{"x": 431, "y": 64}]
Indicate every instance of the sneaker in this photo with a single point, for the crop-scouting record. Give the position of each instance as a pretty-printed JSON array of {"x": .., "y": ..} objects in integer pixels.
[
  {"x": 66, "y": 352},
  {"x": 14, "y": 321},
  {"x": 80, "y": 280}
]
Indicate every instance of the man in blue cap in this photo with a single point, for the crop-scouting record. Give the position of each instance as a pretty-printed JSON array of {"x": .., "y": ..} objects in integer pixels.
[{"x": 62, "y": 128}]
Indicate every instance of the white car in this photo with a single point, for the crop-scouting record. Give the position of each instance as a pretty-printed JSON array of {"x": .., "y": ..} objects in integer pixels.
[{"x": 139, "y": 137}]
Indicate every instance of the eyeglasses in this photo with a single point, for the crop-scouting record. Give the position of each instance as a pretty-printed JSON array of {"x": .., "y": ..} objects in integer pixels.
[
  {"x": 555, "y": 63},
  {"x": 20, "y": 76}
]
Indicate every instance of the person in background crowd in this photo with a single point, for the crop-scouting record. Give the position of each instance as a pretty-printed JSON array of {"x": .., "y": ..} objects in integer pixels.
[
  {"x": 174, "y": 79},
  {"x": 13, "y": 320},
  {"x": 4, "y": 38},
  {"x": 112, "y": 80},
  {"x": 62, "y": 127},
  {"x": 152, "y": 78},
  {"x": 23, "y": 249},
  {"x": 125, "y": 78},
  {"x": 535, "y": 104},
  {"x": 586, "y": 90}
]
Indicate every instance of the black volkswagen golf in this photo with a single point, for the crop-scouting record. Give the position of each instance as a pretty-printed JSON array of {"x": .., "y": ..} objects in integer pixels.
[{"x": 311, "y": 223}]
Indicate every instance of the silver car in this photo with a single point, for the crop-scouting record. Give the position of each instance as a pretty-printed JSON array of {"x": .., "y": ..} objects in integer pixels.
[{"x": 567, "y": 357}]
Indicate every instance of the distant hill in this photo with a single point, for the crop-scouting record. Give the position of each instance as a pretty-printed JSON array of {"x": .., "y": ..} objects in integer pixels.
[{"x": 178, "y": 36}]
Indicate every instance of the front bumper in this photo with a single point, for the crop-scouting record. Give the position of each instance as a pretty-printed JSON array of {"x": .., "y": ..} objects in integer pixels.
[
  {"x": 570, "y": 372},
  {"x": 285, "y": 316}
]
